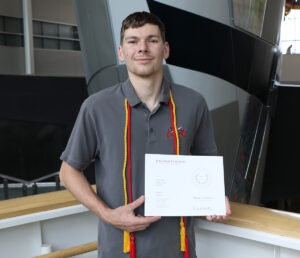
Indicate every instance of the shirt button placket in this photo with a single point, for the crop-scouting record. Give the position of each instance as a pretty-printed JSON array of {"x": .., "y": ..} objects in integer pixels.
[{"x": 149, "y": 129}]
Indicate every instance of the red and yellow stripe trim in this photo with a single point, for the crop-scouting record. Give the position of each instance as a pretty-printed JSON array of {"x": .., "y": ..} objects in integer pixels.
[
  {"x": 183, "y": 234},
  {"x": 129, "y": 241}
]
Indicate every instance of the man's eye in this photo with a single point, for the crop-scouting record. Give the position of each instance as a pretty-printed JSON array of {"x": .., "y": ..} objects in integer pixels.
[
  {"x": 131, "y": 42},
  {"x": 153, "y": 40}
]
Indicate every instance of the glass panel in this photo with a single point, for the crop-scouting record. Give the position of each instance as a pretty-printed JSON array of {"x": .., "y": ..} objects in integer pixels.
[
  {"x": 14, "y": 40},
  {"x": 75, "y": 32},
  {"x": 297, "y": 47},
  {"x": 50, "y": 29},
  {"x": 65, "y": 31},
  {"x": 51, "y": 43},
  {"x": 76, "y": 46},
  {"x": 66, "y": 44},
  {"x": 37, "y": 28},
  {"x": 38, "y": 42},
  {"x": 290, "y": 33},
  {"x": 1, "y": 23},
  {"x": 2, "y": 39},
  {"x": 254, "y": 10},
  {"x": 284, "y": 45},
  {"x": 297, "y": 25},
  {"x": 13, "y": 24},
  {"x": 288, "y": 29}
]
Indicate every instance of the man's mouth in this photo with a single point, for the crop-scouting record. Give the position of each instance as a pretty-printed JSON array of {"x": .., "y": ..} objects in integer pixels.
[{"x": 143, "y": 59}]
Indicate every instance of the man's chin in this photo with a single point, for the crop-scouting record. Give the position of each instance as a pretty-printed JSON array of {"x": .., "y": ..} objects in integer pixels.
[{"x": 143, "y": 73}]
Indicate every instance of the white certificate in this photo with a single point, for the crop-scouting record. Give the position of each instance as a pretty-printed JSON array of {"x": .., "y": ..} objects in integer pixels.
[{"x": 178, "y": 185}]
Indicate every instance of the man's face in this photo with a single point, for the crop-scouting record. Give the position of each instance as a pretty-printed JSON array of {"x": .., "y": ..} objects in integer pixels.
[{"x": 143, "y": 50}]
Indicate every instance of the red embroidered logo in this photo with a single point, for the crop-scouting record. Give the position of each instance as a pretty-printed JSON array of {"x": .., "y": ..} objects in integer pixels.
[{"x": 181, "y": 133}]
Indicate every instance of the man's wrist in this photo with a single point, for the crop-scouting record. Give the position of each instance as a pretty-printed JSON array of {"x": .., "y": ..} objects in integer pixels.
[{"x": 106, "y": 214}]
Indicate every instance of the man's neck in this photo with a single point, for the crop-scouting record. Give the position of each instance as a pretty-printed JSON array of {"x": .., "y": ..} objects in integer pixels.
[{"x": 147, "y": 89}]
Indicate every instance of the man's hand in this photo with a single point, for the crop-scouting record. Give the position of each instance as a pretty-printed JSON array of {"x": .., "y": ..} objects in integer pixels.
[
  {"x": 124, "y": 217},
  {"x": 218, "y": 218}
]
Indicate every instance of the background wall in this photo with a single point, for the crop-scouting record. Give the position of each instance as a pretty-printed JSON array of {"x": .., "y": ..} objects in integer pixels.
[
  {"x": 16, "y": 64},
  {"x": 290, "y": 69},
  {"x": 55, "y": 10},
  {"x": 47, "y": 61},
  {"x": 11, "y": 8}
]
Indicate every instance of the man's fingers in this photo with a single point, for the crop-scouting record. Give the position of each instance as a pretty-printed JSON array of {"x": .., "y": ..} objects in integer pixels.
[
  {"x": 140, "y": 223},
  {"x": 143, "y": 221},
  {"x": 228, "y": 209},
  {"x": 218, "y": 217},
  {"x": 209, "y": 218}
]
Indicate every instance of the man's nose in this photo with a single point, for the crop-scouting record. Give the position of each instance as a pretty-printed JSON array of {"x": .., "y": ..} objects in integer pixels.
[{"x": 143, "y": 46}]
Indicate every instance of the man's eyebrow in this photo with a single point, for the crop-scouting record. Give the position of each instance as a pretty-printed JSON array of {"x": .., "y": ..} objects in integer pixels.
[
  {"x": 131, "y": 37},
  {"x": 136, "y": 37}
]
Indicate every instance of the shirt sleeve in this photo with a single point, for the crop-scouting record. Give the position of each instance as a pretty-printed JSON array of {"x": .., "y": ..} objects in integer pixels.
[
  {"x": 204, "y": 142},
  {"x": 82, "y": 147}
]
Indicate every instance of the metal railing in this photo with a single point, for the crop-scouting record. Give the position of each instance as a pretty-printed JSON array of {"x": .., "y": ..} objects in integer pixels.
[{"x": 10, "y": 182}]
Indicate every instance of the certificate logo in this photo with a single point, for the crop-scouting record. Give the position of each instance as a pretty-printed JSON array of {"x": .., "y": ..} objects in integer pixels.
[{"x": 201, "y": 179}]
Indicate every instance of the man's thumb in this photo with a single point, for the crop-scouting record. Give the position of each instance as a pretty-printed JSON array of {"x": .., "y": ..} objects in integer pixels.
[{"x": 138, "y": 202}]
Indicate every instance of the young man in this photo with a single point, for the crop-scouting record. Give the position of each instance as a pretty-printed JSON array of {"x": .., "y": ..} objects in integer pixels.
[{"x": 116, "y": 127}]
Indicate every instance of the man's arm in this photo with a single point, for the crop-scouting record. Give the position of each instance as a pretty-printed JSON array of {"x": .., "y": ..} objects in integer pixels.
[{"x": 122, "y": 217}]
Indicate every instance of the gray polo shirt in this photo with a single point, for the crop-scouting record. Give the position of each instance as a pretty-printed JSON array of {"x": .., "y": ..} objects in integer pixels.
[{"x": 98, "y": 135}]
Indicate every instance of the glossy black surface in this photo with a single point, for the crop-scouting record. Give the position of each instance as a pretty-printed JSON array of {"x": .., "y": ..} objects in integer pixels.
[
  {"x": 282, "y": 177},
  {"x": 36, "y": 117},
  {"x": 41, "y": 98},
  {"x": 208, "y": 46}
]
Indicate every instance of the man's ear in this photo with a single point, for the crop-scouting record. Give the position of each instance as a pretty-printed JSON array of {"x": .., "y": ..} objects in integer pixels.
[
  {"x": 166, "y": 50},
  {"x": 120, "y": 54}
]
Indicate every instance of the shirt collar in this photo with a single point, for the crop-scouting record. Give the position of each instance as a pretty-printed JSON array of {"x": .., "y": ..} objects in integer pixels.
[{"x": 133, "y": 98}]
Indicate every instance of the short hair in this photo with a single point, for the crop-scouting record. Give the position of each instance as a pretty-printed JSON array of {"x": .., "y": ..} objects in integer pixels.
[{"x": 139, "y": 19}]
